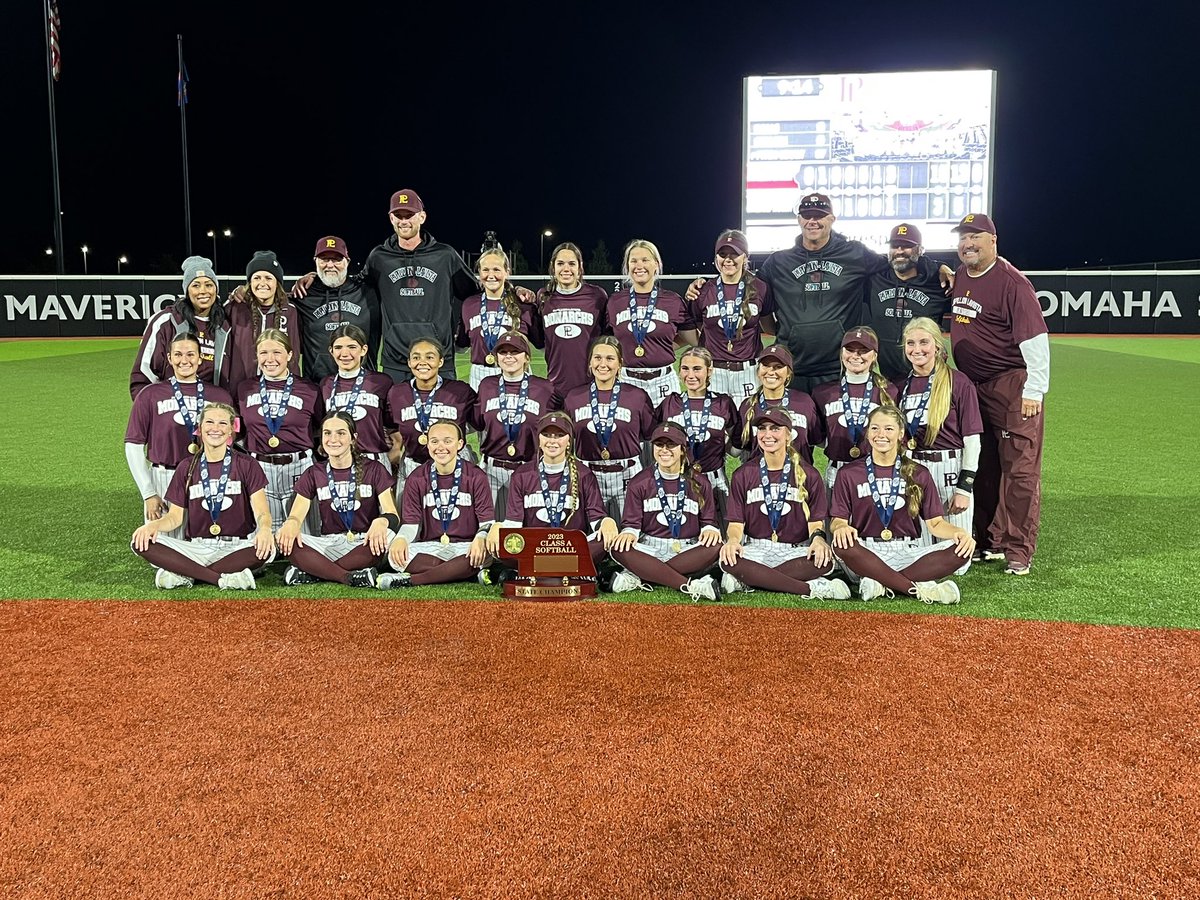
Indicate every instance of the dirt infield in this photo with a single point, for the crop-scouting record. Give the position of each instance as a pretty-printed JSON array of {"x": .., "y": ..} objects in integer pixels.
[{"x": 384, "y": 749}]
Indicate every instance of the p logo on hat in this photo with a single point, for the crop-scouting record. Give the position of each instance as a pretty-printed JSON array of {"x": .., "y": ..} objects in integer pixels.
[
  {"x": 905, "y": 235},
  {"x": 331, "y": 246},
  {"x": 406, "y": 200},
  {"x": 975, "y": 223}
]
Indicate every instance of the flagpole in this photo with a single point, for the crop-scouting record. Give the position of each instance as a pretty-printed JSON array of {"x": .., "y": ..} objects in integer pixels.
[
  {"x": 187, "y": 192},
  {"x": 59, "y": 256}
]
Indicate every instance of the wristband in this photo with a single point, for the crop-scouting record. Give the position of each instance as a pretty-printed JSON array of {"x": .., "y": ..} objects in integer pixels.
[
  {"x": 966, "y": 481},
  {"x": 393, "y": 521},
  {"x": 818, "y": 533}
]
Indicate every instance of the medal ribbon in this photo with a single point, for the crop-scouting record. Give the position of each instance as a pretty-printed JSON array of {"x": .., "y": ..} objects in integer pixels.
[
  {"x": 885, "y": 514},
  {"x": 913, "y": 421},
  {"x": 697, "y": 432},
  {"x": 856, "y": 424},
  {"x": 775, "y": 499},
  {"x": 424, "y": 409},
  {"x": 640, "y": 317},
  {"x": 358, "y": 383},
  {"x": 491, "y": 325},
  {"x": 274, "y": 414},
  {"x": 730, "y": 311},
  {"x": 346, "y": 513},
  {"x": 511, "y": 416},
  {"x": 604, "y": 429},
  {"x": 214, "y": 498},
  {"x": 184, "y": 412},
  {"x": 674, "y": 516},
  {"x": 445, "y": 513},
  {"x": 555, "y": 507}
]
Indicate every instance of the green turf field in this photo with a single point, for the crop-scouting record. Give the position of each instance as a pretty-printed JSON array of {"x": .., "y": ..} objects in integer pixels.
[{"x": 1120, "y": 539}]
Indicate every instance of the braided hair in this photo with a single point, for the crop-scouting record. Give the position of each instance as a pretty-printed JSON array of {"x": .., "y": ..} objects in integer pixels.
[
  {"x": 356, "y": 455},
  {"x": 508, "y": 296},
  {"x": 751, "y": 293},
  {"x": 908, "y": 466}
]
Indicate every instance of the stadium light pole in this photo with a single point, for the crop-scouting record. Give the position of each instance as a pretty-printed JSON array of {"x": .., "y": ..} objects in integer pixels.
[
  {"x": 85, "y": 253},
  {"x": 542, "y": 248},
  {"x": 228, "y": 234},
  {"x": 121, "y": 260}
]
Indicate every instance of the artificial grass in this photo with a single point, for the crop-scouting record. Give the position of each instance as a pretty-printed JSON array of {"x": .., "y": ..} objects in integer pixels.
[{"x": 1119, "y": 541}]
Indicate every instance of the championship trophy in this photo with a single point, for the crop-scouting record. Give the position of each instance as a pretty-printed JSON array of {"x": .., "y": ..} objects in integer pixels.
[{"x": 552, "y": 564}]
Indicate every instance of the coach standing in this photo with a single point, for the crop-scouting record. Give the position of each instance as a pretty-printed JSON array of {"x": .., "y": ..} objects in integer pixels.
[
  {"x": 334, "y": 299},
  {"x": 1000, "y": 341}
]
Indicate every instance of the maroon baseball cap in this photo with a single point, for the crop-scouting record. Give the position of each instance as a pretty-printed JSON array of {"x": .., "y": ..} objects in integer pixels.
[
  {"x": 904, "y": 233},
  {"x": 776, "y": 415},
  {"x": 734, "y": 240},
  {"x": 557, "y": 419},
  {"x": 814, "y": 206},
  {"x": 860, "y": 336},
  {"x": 777, "y": 352},
  {"x": 514, "y": 340},
  {"x": 406, "y": 200},
  {"x": 669, "y": 431},
  {"x": 975, "y": 222},
  {"x": 331, "y": 245}
]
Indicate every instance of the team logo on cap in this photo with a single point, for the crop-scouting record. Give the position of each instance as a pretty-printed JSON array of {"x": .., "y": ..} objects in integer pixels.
[
  {"x": 330, "y": 243},
  {"x": 858, "y": 334},
  {"x": 970, "y": 217},
  {"x": 404, "y": 198},
  {"x": 901, "y": 229}
]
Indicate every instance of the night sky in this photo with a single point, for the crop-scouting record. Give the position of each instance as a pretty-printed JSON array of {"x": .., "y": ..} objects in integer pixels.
[{"x": 598, "y": 121}]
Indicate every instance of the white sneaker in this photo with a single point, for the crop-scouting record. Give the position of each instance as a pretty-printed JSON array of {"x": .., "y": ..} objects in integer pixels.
[
  {"x": 389, "y": 581},
  {"x": 700, "y": 589},
  {"x": 237, "y": 581},
  {"x": 731, "y": 585},
  {"x": 869, "y": 589},
  {"x": 828, "y": 589},
  {"x": 945, "y": 593},
  {"x": 1017, "y": 570},
  {"x": 625, "y": 581},
  {"x": 167, "y": 580},
  {"x": 993, "y": 556}
]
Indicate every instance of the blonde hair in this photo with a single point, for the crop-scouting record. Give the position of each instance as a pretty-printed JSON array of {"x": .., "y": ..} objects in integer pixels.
[
  {"x": 941, "y": 379},
  {"x": 640, "y": 244},
  {"x": 908, "y": 467},
  {"x": 274, "y": 334}
]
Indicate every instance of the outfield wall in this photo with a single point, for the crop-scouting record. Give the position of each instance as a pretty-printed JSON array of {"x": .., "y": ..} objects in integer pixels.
[{"x": 1093, "y": 302}]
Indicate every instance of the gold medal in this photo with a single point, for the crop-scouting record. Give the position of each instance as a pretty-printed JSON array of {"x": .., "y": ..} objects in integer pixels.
[
  {"x": 604, "y": 454},
  {"x": 639, "y": 351},
  {"x": 490, "y": 359},
  {"x": 192, "y": 448},
  {"x": 214, "y": 528},
  {"x": 445, "y": 538},
  {"x": 729, "y": 345},
  {"x": 422, "y": 440},
  {"x": 350, "y": 536},
  {"x": 775, "y": 537},
  {"x": 886, "y": 534},
  {"x": 912, "y": 443},
  {"x": 855, "y": 453},
  {"x": 696, "y": 466},
  {"x": 272, "y": 441},
  {"x": 512, "y": 451},
  {"x": 676, "y": 546}
]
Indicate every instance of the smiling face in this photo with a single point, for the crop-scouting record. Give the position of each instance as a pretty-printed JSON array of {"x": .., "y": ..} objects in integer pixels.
[
  {"x": 773, "y": 439},
  {"x": 642, "y": 266},
  {"x": 332, "y": 269},
  {"x": 731, "y": 265},
  {"x": 407, "y": 226},
  {"x": 185, "y": 359},
  {"x": 337, "y": 441},
  {"x": 884, "y": 432},
  {"x": 202, "y": 293},
  {"x": 566, "y": 269},
  {"x": 605, "y": 364},
  {"x": 511, "y": 361},
  {"x": 424, "y": 361},
  {"x": 815, "y": 230},
  {"x": 444, "y": 445},
  {"x": 216, "y": 428},
  {"x": 347, "y": 353},
  {"x": 774, "y": 376},
  {"x": 493, "y": 272},
  {"x": 858, "y": 359},
  {"x": 262, "y": 286},
  {"x": 554, "y": 443},
  {"x": 976, "y": 249},
  {"x": 921, "y": 349},
  {"x": 694, "y": 373},
  {"x": 273, "y": 359},
  {"x": 668, "y": 456}
]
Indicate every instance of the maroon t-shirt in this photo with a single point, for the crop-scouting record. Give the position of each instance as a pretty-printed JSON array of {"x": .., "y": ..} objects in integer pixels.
[
  {"x": 473, "y": 507},
  {"x": 376, "y": 481},
  {"x": 748, "y": 505},
  {"x": 831, "y": 409},
  {"x": 295, "y": 432},
  {"x": 527, "y": 505},
  {"x": 962, "y": 419},
  {"x": 852, "y": 500},
  {"x": 644, "y": 510},
  {"x": 806, "y": 423},
  {"x": 497, "y": 404},
  {"x": 370, "y": 413},
  {"x": 472, "y": 318},
  {"x": 570, "y": 322},
  {"x": 671, "y": 315},
  {"x": 633, "y": 421},
  {"x": 451, "y": 401},
  {"x": 990, "y": 317},
  {"x": 244, "y": 362},
  {"x": 236, "y": 516},
  {"x": 156, "y": 421},
  {"x": 723, "y": 421},
  {"x": 706, "y": 310}
]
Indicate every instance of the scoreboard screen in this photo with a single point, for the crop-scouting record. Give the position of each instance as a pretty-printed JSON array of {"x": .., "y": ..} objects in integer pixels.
[{"x": 885, "y": 147}]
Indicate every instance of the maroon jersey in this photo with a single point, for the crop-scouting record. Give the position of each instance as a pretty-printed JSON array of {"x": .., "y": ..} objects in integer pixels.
[
  {"x": 644, "y": 510},
  {"x": 570, "y": 322},
  {"x": 723, "y": 421},
  {"x": 236, "y": 518},
  {"x": 152, "y": 362},
  {"x": 472, "y": 320},
  {"x": 962, "y": 419},
  {"x": 156, "y": 421},
  {"x": 852, "y": 500},
  {"x": 473, "y": 509},
  {"x": 633, "y": 421},
  {"x": 370, "y": 412},
  {"x": 671, "y": 315},
  {"x": 296, "y": 431},
  {"x": 990, "y": 317},
  {"x": 497, "y": 404},
  {"x": 748, "y": 504},
  {"x": 527, "y": 504},
  {"x": 376, "y": 481},
  {"x": 806, "y": 423},
  {"x": 248, "y": 321},
  {"x": 706, "y": 311},
  {"x": 449, "y": 401},
  {"x": 832, "y": 411}
]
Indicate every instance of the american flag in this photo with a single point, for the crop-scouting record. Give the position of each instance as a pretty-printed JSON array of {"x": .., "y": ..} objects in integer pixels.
[{"x": 55, "y": 50}]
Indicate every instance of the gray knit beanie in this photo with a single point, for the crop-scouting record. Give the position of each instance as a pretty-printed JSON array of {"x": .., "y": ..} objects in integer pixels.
[{"x": 196, "y": 266}]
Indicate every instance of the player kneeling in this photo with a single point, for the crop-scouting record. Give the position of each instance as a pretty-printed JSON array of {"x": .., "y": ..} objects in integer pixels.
[
  {"x": 353, "y": 493},
  {"x": 220, "y": 497},
  {"x": 878, "y": 504}
]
